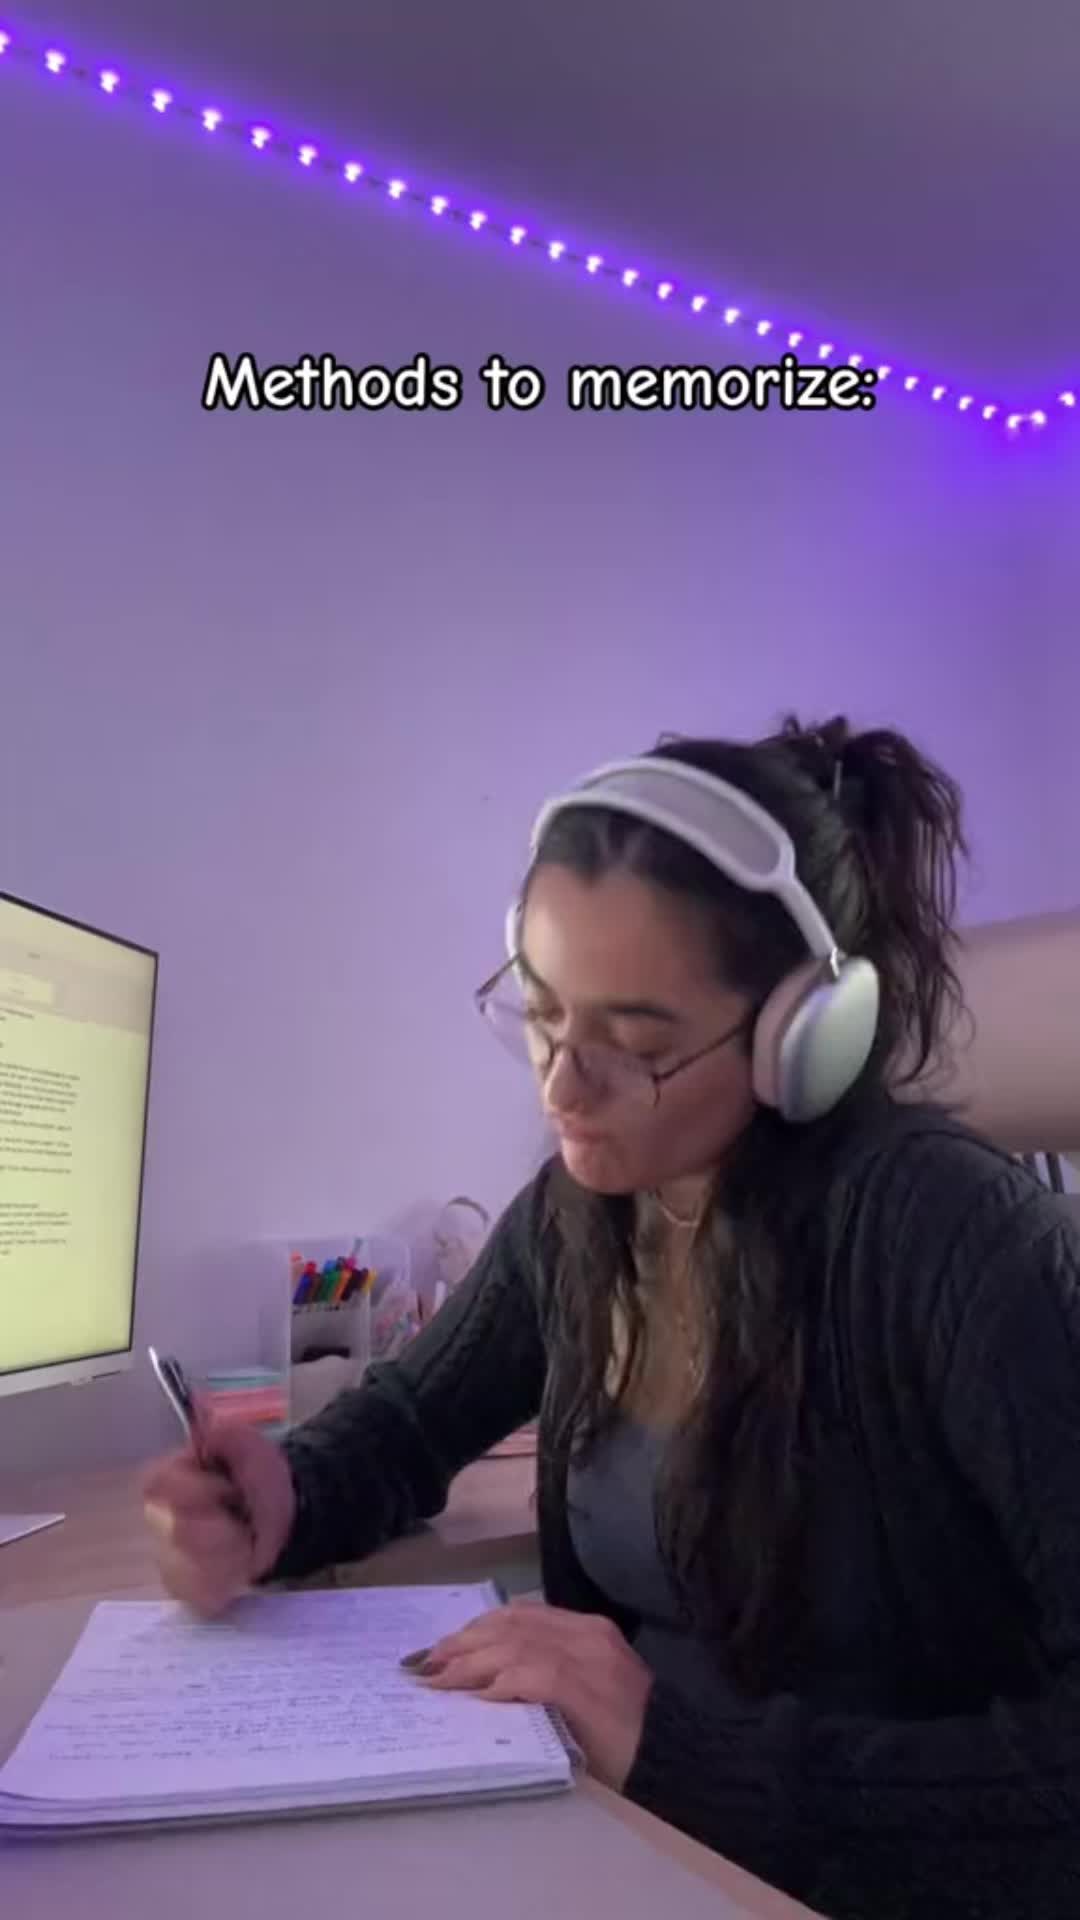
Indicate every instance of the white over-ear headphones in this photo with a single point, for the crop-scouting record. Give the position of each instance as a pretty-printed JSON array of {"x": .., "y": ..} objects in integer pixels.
[{"x": 812, "y": 1037}]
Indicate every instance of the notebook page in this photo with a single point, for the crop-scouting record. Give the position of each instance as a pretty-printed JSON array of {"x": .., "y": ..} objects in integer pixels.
[{"x": 288, "y": 1690}]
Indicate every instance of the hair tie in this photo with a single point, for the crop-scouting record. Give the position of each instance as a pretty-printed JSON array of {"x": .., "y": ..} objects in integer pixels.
[{"x": 831, "y": 776}]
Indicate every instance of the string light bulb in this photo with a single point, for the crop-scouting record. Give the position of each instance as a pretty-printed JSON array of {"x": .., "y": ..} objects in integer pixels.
[{"x": 106, "y": 80}]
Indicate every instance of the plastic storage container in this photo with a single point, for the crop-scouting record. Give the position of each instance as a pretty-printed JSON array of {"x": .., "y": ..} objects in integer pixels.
[{"x": 292, "y": 1336}]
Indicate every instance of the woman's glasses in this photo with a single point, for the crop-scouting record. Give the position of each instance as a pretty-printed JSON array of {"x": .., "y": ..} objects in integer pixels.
[{"x": 609, "y": 1071}]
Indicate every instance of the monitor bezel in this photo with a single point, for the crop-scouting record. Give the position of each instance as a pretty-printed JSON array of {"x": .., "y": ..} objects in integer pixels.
[{"x": 84, "y": 1368}]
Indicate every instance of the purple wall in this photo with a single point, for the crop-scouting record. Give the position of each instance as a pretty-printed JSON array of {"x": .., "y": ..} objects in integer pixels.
[
  {"x": 281, "y": 692},
  {"x": 1048, "y": 643}
]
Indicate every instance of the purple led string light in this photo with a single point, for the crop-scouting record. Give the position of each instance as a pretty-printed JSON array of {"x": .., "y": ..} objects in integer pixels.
[{"x": 261, "y": 138}]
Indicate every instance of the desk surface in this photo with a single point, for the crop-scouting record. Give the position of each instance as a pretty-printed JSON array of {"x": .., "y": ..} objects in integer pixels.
[
  {"x": 103, "y": 1547},
  {"x": 568, "y": 1855}
]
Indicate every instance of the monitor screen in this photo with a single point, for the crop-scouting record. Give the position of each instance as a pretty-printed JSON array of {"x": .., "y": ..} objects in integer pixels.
[{"x": 76, "y": 1020}]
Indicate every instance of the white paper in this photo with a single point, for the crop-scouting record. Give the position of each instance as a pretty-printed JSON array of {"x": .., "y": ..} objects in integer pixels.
[{"x": 299, "y": 1691}]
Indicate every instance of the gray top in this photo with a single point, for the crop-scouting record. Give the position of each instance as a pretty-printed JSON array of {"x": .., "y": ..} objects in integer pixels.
[
  {"x": 610, "y": 1515},
  {"x": 610, "y": 1511}
]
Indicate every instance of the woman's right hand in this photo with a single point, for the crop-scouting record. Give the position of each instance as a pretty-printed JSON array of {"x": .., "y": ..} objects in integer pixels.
[{"x": 207, "y": 1553}]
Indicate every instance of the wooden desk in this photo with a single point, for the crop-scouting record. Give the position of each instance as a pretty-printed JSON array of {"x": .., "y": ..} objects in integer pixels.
[
  {"x": 104, "y": 1549},
  {"x": 476, "y": 1863}
]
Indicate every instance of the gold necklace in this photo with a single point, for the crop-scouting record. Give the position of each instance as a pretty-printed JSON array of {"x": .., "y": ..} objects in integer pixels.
[
  {"x": 664, "y": 1305},
  {"x": 676, "y": 1219}
]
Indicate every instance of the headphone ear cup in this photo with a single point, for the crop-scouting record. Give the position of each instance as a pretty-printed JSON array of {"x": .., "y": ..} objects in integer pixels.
[{"x": 813, "y": 1038}]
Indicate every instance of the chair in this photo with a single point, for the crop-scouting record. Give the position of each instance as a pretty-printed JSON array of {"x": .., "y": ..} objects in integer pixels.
[{"x": 1014, "y": 1070}]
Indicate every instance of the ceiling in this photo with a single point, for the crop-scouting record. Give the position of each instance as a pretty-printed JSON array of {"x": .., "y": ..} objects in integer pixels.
[{"x": 906, "y": 176}]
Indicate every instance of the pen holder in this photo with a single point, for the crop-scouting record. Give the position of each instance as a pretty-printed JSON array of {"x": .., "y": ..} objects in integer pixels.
[
  {"x": 327, "y": 1344},
  {"x": 342, "y": 1331}
]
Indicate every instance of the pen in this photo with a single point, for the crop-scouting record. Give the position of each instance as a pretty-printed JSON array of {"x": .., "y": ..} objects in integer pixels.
[{"x": 172, "y": 1380}]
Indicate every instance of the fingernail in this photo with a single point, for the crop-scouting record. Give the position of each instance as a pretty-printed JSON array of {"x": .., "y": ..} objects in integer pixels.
[
  {"x": 159, "y": 1518},
  {"x": 413, "y": 1661}
]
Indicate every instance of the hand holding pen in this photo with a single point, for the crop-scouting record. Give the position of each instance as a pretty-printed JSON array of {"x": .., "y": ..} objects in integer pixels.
[{"x": 222, "y": 1510}]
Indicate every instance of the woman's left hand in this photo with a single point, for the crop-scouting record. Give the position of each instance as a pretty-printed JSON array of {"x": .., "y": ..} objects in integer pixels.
[{"x": 577, "y": 1662}]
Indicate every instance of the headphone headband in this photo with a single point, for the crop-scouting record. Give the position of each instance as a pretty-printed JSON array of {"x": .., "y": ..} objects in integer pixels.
[{"x": 720, "y": 821}]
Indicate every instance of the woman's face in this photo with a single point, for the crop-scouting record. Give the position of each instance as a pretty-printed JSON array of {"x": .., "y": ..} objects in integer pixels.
[{"x": 616, "y": 963}]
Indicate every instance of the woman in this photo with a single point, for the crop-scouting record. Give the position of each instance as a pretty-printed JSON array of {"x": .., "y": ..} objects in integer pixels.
[{"x": 806, "y": 1357}]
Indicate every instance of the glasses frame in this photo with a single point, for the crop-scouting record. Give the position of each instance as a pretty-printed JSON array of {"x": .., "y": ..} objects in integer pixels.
[{"x": 659, "y": 1078}]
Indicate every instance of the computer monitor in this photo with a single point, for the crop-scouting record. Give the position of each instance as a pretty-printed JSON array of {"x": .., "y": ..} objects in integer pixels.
[{"x": 76, "y": 1026}]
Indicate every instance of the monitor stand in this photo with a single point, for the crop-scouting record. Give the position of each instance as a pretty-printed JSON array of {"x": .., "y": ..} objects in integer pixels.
[{"x": 16, "y": 1526}]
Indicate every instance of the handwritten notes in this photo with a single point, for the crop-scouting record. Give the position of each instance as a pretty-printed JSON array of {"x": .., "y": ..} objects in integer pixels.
[{"x": 288, "y": 1692}]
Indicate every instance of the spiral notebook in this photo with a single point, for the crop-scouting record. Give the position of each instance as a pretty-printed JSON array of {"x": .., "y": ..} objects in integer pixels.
[{"x": 292, "y": 1703}]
